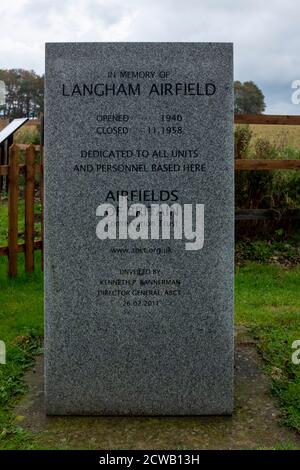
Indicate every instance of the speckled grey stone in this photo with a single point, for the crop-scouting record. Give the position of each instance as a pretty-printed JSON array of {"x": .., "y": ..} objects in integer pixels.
[{"x": 167, "y": 352}]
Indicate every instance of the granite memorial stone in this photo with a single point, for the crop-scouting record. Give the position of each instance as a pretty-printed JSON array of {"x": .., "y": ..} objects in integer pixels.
[{"x": 139, "y": 228}]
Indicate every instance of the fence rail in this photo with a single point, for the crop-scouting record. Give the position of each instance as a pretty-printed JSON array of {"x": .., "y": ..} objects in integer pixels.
[
  {"x": 267, "y": 214},
  {"x": 33, "y": 169},
  {"x": 258, "y": 165},
  {"x": 267, "y": 119}
]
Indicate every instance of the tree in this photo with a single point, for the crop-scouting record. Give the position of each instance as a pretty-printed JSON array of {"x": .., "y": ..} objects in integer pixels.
[
  {"x": 248, "y": 98},
  {"x": 24, "y": 93}
]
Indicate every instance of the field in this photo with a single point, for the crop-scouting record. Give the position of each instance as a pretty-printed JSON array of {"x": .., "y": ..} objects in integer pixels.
[{"x": 281, "y": 136}]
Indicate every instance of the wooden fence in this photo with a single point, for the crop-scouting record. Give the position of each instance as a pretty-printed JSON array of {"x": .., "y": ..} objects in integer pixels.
[
  {"x": 13, "y": 170},
  {"x": 31, "y": 168}
]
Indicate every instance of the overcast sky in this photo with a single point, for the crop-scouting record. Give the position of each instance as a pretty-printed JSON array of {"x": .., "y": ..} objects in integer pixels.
[{"x": 265, "y": 33}]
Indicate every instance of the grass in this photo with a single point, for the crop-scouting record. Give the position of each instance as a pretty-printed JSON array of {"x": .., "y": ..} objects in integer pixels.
[
  {"x": 280, "y": 251},
  {"x": 21, "y": 328},
  {"x": 21, "y": 221},
  {"x": 283, "y": 136},
  {"x": 3, "y": 224},
  {"x": 267, "y": 300},
  {"x": 27, "y": 135}
]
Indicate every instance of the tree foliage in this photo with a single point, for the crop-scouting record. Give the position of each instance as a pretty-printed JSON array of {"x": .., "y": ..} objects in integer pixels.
[
  {"x": 248, "y": 98},
  {"x": 24, "y": 93}
]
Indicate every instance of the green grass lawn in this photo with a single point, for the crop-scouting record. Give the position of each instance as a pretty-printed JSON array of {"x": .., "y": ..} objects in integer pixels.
[
  {"x": 21, "y": 328},
  {"x": 267, "y": 300}
]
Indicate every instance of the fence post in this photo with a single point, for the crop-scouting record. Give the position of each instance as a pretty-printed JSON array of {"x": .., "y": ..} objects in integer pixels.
[
  {"x": 29, "y": 209},
  {"x": 13, "y": 194}
]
